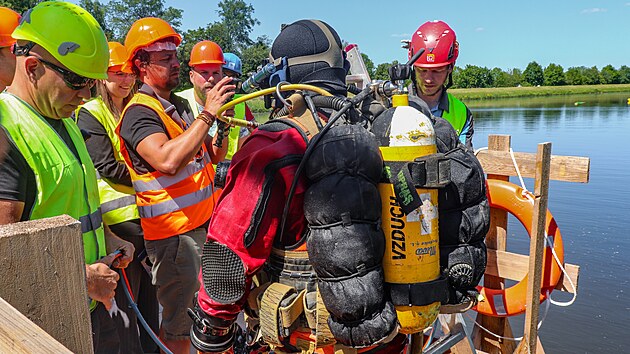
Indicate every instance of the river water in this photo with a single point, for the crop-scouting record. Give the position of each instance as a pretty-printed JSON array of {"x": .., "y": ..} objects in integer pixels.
[{"x": 594, "y": 218}]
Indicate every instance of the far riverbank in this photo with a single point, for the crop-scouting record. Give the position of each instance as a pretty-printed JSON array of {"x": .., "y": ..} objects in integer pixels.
[{"x": 511, "y": 92}]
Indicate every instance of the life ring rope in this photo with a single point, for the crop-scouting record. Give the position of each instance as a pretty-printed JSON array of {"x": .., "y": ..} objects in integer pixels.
[{"x": 548, "y": 242}]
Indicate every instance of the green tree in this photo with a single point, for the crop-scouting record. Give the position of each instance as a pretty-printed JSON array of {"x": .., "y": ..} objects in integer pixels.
[
  {"x": 501, "y": 78},
  {"x": 553, "y": 75},
  {"x": 123, "y": 13},
  {"x": 516, "y": 77},
  {"x": 591, "y": 75},
  {"x": 382, "y": 71},
  {"x": 533, "y": 74},
  {"x": 624, "y": 74},
  {"x": 575, "y": 76},
  {"x": 609, "y": 75},
  {"x": 237, "y": 17},
  {"x": 473, "y": 76},
  {"x": 369, "y": 64},
  {"x": 99, "y": 11},
  {"x": 19, "y": 6},
  {"x": 253, "y": 55}
]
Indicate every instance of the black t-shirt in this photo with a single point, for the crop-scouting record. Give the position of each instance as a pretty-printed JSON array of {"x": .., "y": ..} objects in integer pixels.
[
  {"x": 17, "y": 179},
  {"x": 140, "y": 121},
  {"x": 101, "y": 150}
]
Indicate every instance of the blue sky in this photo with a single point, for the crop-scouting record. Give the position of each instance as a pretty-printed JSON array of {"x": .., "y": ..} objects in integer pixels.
[{"x": 505, "y": 34}]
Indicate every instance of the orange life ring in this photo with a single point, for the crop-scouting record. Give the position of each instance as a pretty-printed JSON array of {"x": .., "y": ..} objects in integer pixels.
[{"x": 511, "y": 301}]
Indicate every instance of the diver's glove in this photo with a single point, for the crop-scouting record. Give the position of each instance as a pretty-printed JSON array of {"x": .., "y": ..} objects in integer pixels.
[{"x": 211, "y": 334}]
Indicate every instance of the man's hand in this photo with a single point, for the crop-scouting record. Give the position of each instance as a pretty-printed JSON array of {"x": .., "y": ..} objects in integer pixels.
[
  {"x": 218, "y": 95},
  {"x": 101, "y": 283},
  {"x": 113, "y": 244}
]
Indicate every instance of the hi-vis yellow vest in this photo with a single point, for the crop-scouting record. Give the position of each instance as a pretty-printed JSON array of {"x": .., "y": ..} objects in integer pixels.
[
  {"x": 171, "y": 205},
  {"x": 118, "y": 202},
  {"x": 239, "y": 112},
  {"x": 65, "y": 185},
  {"x": 456, "y": 114}
]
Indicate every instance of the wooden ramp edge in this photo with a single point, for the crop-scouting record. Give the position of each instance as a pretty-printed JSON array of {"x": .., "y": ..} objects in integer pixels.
[{"x": 19, "y": 335}]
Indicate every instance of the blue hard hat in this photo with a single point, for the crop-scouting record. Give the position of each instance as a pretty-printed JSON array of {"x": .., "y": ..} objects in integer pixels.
[{"x": 233, "y": 62}]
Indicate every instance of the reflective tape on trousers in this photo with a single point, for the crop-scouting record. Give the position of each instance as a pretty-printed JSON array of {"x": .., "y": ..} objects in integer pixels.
[
  {"x": 167, "y": 181},
  {"x": 91, "y": 222},
  {"x": 169, "y": 206}
]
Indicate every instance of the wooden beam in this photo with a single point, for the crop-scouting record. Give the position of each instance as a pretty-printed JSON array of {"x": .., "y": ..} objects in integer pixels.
[
  {"x": 537, "y": 245},
  {"x": 563, "y": 168},
  {"x": 514, "y": 266},
  {"x": 495, "y": 240},
  {"x": 43, "y": 277},
  {"x": 19, "y": 335}
]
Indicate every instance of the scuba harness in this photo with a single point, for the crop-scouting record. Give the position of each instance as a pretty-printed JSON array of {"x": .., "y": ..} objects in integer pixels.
[{"x": 298, "y": 287}]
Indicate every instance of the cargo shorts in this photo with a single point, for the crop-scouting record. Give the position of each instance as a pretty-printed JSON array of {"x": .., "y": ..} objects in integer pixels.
[{"x": 176, "y": 264}]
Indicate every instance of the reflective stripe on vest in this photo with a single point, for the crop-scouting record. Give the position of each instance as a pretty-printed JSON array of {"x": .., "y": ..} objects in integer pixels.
[
  {"x": 171, "y": 205},
  {"x": 118, "y": 202},
  {"x": 164, "y": 181},
  {"x": 65, "y": 184},
  {"x": 456, "y": 114}
]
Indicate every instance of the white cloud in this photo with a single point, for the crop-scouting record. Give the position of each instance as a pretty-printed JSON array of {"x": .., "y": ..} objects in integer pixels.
[
  {"x": 628, "y": 4},
  {"x": 401, "y": 35},
  {"x": 595, "y": 10},
  {"x": 479, "y": 29}
]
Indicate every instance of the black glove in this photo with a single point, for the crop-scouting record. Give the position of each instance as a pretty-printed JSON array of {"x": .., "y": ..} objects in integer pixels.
[
  {"x": 400, "y": 72},
  {"x": 211, "y": 334}
]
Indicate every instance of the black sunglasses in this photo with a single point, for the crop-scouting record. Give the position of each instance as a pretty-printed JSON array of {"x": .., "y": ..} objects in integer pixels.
[{"x": 72, "y": 80}]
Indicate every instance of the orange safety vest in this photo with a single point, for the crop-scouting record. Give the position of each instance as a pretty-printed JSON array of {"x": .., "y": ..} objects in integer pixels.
[{"x": 171, "y": 205}]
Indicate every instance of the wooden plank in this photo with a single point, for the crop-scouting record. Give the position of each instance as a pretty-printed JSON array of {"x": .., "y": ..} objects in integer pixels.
[
  {"x": 19, "y": 335},
  {"x": 43, "y": 277},
  {"x": 514, "y": 266},
  {"x": 537, "y": 244},
  {"x": 489, "y": 343},
  {"x": 495, "y": 240},
  {"x": 563, "y": 168}
]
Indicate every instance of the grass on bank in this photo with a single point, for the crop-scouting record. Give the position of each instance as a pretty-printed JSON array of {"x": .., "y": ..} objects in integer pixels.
[{"x": 510, "y": 92}]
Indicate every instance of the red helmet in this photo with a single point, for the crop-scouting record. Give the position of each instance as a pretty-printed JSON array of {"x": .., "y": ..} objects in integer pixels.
[{"x": 439, "y": 42}]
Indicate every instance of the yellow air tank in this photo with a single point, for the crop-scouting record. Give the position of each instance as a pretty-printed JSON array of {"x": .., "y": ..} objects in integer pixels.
[{"x": 411, "y": 240}]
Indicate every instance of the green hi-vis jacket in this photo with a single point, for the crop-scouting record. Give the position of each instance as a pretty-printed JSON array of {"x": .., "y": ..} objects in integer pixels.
[{"x": 65, "y": 185}]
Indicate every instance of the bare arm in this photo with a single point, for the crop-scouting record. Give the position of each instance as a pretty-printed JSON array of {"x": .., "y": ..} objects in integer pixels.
[
  {"x": 10, "y": 211},
  {"x": 169, "y": 156}
]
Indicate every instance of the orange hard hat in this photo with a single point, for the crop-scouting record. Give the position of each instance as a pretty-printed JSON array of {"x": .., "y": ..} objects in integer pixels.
[
  {"x": 118, "y": 57},
  {"x": 9, "y": 19},
  {"x": 149, "y": 30},
  {"x": 206, "y": 52}
]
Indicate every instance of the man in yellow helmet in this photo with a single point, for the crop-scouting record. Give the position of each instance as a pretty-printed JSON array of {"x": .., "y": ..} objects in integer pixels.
[{"x": 60, "y": 51}]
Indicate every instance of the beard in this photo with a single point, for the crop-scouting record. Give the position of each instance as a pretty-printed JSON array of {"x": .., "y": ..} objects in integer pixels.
[{"x": 172, "y": 83}]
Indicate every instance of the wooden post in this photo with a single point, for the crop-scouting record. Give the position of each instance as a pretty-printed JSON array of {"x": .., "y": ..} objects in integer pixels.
[
  {"x": 43, "y": 277},
  {"x": 19, "y": 335},
  {"x": 536, "y": 249},
  {"x": 497, "y": 240}
]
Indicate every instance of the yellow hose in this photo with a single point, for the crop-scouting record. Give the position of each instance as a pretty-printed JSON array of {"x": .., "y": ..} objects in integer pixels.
[{"x": 254, "y": 124}]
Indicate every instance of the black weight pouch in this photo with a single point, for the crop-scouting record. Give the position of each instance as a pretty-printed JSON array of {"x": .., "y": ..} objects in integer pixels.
[{"x": 346, "y": 243}]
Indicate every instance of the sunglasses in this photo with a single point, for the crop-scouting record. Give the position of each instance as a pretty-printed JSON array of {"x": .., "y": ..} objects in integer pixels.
[{"x": 72, "y": 80}]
